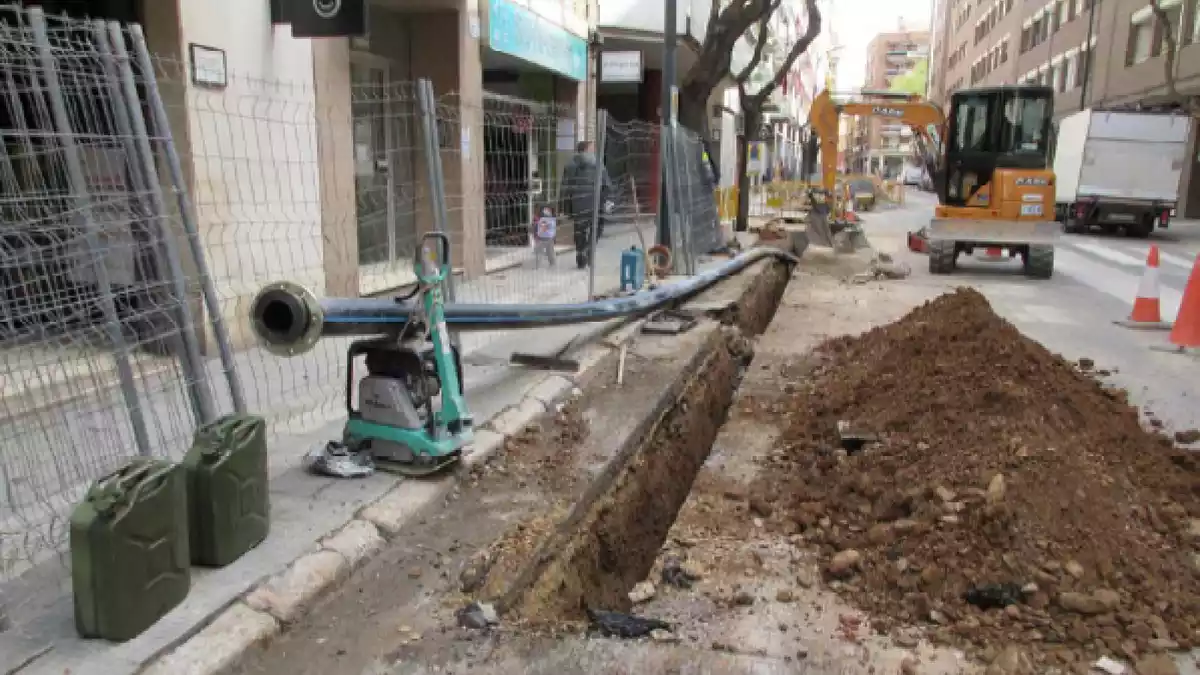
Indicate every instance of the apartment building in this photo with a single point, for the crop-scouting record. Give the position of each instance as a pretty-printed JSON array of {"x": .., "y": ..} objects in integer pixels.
[
  {"x": 881, "y": 147},
  {"x": 1094, "y": 53}
]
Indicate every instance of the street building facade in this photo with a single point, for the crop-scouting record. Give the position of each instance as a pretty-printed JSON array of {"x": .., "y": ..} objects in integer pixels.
[
  {"x": 877, "y": 146},
  {"x": 298, "y": 124},
  {"x": 631, "y": 89},
  {"x": 1093, "y": 53}
]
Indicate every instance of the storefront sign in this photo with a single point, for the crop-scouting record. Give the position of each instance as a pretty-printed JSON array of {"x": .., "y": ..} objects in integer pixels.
[
  {"x": 516, "y": 31},
  {"x": 325, "y": 18},
  {"x": 621, "y": 67}
]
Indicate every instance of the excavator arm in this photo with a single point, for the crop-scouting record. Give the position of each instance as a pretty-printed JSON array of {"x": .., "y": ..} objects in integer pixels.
[{"x": 925, "y": 119}]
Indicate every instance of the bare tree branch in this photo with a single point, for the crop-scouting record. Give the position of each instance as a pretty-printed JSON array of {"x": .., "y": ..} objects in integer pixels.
[
  {"x": 1163, "y": 19},
  {"x": 760, "y": 44},
  {"x": 721, "y": 35},
  {"x": 811, "y": 31}
]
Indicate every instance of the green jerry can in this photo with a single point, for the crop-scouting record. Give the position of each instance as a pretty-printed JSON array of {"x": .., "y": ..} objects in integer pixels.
[
  {"x": 228, "y": 499},
  {"x": 129, "y": 550}
]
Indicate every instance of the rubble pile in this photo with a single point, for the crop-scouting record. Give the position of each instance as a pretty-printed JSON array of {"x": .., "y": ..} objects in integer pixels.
[{"x": 957, "y": 475}]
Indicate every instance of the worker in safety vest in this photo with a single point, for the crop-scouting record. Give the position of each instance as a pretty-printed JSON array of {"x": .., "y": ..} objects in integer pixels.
[{"x": 710, "y": 168}]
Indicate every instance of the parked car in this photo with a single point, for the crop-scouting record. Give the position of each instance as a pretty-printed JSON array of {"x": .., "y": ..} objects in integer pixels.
[{"x": 913, "y": 175}]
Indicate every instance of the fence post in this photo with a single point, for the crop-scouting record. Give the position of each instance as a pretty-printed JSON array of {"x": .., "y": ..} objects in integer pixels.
[
  {"x": 145, "y": 179},
  {"x": 162, "y": 125},
  {"x": 433, "y": 163},
  {"x": 427, "y": 102},
  {"x": 678, "y": 231},
  {"x": 83, "y": 205},
  {"x": 597, "y": 203},
  {"x": 689, "y": 220}
]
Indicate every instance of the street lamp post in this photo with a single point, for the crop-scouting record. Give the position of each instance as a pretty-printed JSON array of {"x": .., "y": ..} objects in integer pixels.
[{"x": 668, "y": 114}]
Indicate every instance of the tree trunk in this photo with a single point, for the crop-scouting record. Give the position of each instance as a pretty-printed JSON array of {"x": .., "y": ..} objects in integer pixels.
[
  {"x": 810, "y": 156},
  {"x": 693, "y": 110},
  {"x": 751, "y": 122},
  {"x": 742, "y": 220}
]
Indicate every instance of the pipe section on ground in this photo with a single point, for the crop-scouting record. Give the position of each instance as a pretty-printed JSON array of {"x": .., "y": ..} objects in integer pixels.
[{"x": 289, "y": 320}]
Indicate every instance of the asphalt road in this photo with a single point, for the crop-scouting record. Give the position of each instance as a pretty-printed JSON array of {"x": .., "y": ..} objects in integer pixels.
[{"x": 1094, "y": 284}]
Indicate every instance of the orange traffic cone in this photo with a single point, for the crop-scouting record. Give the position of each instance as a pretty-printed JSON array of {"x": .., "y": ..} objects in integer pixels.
[
  {"x": 1147, "y": 312},
  {"x": 1186, "y": 334}
]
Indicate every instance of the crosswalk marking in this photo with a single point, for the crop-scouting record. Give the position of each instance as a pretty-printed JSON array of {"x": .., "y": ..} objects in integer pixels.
[
  {"x": 1115, "y": 283},
  {"x": 1101, "y": 251},
  {"x": 1178, "y": 261},
  {"x": 1132, "y": 254}
]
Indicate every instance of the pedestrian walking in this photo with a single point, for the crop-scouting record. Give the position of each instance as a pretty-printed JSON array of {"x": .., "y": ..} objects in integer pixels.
[
  {"x": 545, "y": 229},
  {"x": 577, "y": 197}
]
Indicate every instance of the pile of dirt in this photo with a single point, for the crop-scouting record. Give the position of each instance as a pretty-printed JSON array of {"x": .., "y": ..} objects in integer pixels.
[{"x": 1002, "y": 495}]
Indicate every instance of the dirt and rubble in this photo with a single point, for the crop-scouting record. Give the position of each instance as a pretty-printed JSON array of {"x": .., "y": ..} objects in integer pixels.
[{"x": 994, "y": 493}]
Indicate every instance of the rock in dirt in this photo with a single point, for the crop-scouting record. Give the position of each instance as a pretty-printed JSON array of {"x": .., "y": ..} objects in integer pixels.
[
  {"x": 1050, "y": 472},
  {"x": 643, "y": 591},
  {"x": 678, "y": 573},
  {"x": 1156, "y": 664},
  {"x": 1110, "y": 666},
  {"x": 807, "y": 577},
  {"x": 844, "y": 563},
  {"x": 1089, "y": 603},
  {"x": 478, "y": 615},
  {"x": 1011, "y": 661}
]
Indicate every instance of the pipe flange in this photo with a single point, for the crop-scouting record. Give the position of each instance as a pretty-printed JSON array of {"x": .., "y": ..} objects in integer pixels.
[{"x": 307, "y": 319}]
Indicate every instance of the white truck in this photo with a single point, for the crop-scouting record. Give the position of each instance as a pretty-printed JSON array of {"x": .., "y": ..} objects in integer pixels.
[{"x": 1119, "y": 170}]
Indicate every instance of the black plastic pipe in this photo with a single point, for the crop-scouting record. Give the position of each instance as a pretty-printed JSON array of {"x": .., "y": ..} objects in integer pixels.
[{"x": 288, "y": 319}]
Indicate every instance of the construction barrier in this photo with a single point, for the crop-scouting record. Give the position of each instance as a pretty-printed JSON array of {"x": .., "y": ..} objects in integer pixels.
[
  {"x": 1147, "y": 309},
  {"x": 1186, "y": 333}
]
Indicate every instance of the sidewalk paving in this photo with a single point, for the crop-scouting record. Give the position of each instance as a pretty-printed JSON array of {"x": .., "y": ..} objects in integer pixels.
[{"x": 307, "y": 509}]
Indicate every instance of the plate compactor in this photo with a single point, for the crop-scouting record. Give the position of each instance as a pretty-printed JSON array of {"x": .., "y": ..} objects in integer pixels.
[{"x": 412, "y": 416}]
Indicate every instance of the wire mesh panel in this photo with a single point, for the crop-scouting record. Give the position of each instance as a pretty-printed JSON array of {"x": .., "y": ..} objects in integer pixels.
[
  {"x": 692, "y": 189},
  {"x": 631, "y": 155},
  {"x": 99, "y": 349}
]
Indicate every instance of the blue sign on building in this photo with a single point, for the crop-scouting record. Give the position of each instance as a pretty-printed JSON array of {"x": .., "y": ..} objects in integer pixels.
[{"x": 518, "y": 31}]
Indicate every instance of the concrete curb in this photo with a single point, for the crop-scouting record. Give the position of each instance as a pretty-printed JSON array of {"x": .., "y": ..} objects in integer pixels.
[{"x": 282, "y": 598}]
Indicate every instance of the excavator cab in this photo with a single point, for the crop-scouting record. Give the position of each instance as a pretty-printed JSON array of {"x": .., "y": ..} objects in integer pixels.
[
  {"x": 996, "y": 128},
  {"x": 994, "y": 183}
]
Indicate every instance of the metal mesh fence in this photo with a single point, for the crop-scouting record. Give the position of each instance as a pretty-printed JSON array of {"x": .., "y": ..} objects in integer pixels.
[
  {"x": 98, "y": 338},
  {"x": 141, "y": 212}
]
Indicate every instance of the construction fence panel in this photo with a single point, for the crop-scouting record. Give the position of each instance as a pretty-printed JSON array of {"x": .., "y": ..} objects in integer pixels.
[
  {"x": 102, "y": 335},
  {"x": 696, "y": 230},
  {"x": 143, "y": 208},
  {"x": 631, "y": 158}
]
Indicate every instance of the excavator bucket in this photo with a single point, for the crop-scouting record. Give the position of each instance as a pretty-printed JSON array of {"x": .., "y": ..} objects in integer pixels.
[{"x": 818, "y": 231}]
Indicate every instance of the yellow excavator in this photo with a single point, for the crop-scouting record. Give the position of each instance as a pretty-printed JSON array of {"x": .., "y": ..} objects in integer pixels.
[{"x": 989, "y": 162}]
